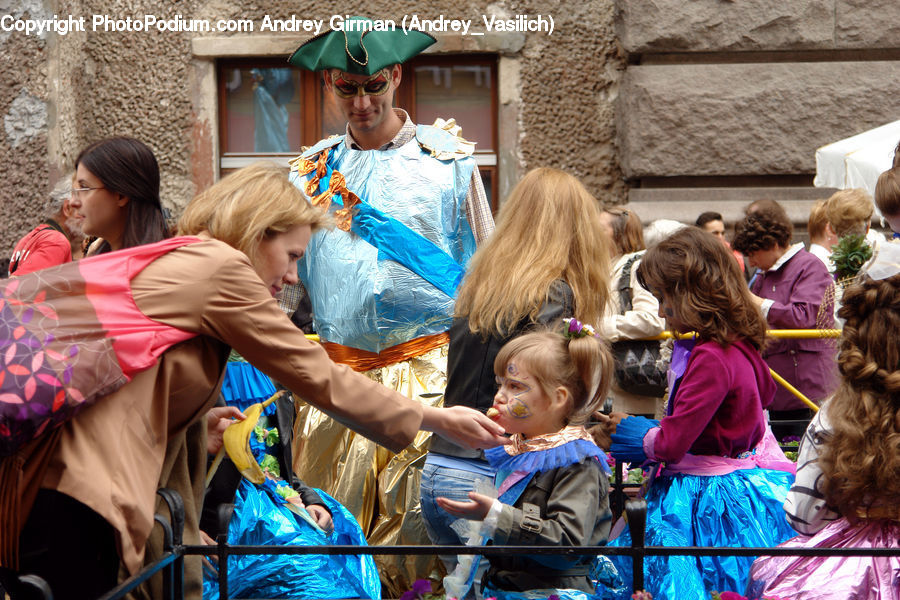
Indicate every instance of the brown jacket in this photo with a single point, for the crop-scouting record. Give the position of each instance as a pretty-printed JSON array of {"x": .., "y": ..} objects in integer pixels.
[{"x": 115, "y": 454}]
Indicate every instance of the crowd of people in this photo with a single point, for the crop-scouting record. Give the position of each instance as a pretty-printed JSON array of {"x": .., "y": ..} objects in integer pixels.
[{"x": 534, "y": 334}]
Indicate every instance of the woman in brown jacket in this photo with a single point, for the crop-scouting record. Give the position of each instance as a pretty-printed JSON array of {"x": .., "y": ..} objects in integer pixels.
[{"x": 78, "y": 501}]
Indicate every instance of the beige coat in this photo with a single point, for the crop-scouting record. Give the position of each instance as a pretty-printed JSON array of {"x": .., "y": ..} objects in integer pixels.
[
  {"x": 115, "y": 454},
  {"x": 641, "y": 321}
]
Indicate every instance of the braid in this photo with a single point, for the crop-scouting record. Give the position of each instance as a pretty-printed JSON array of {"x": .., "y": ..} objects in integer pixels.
[{"x": 861, "y": 459}]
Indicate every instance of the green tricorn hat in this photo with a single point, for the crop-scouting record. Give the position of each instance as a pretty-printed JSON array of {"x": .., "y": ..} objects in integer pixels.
[{"x": 359, "y": 48}]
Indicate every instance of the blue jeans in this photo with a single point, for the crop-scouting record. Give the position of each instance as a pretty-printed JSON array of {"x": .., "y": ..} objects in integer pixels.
[{"x": 455, "y": 484}]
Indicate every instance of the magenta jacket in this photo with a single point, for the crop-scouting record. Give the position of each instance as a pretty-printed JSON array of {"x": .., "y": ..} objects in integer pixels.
[
  {"x": 798, "y": 288},
  {"x": 718, "y": 406}
]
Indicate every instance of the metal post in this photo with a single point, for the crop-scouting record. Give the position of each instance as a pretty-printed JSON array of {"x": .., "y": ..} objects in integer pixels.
[
  {"x": 167, "y": 545},
  {"x": 618, "y": 498},
  {"x": 636, "y": 514},
  {"x": 224, "y": 513},
  {"x": 176, "y": 510}
]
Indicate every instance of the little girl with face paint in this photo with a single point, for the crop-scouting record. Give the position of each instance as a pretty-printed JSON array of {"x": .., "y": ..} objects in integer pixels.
[
  {"x": 718, "y": 477},
  {"x": 552, "y": 479}
]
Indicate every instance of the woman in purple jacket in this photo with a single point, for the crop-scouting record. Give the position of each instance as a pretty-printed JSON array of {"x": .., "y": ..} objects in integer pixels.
[
  {"x": 718, "y": 477},
  {"x": 794, "y": 291}
]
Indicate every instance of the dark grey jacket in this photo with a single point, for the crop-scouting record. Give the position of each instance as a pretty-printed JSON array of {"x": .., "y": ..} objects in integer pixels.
[{"x": 568, "y": 506}]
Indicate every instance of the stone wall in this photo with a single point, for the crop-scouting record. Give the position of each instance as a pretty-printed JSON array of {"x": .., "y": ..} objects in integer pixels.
[
  {"x": 636, "y": 97},
  {"x": 738, "y": 95},
  {"x": 61, "y": 92}
]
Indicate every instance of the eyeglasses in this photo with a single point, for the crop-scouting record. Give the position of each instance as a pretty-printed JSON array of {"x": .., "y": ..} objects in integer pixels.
[
  {"x": 376, "y": 85},
  {"x": 77, "y": 192}
]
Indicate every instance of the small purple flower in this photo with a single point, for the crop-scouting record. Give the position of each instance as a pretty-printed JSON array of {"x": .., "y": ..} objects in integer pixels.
[
  {"x": 553, "y": 597},
  {"x": 574, "y": 325}
]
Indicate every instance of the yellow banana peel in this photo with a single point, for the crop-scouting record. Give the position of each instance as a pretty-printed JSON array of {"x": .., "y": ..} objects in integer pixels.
[{"x": 237, "y": 441}]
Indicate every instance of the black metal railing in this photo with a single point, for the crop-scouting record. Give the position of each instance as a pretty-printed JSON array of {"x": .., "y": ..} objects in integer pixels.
[{"x": 171, "y": 563}]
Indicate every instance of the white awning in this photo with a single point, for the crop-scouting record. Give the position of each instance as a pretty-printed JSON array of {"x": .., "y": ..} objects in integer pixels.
[{"x": 856, "y": 162}]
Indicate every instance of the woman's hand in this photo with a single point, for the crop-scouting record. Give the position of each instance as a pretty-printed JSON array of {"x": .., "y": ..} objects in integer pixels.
[
  {"x": 476, "y": 510},
  {"x": 321, "y": 516},
  {"x": 463, "y": 426},
  {"x": 217, "y": 421}
]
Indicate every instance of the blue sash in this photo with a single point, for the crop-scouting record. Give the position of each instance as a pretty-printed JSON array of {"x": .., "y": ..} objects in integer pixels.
[{"x": 398, "y": 242}]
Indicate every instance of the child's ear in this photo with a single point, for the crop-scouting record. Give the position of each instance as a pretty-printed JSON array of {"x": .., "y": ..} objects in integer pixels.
[{"x": 562, "y": 400}]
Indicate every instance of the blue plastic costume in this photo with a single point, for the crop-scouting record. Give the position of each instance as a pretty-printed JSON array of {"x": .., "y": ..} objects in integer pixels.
[
  {"x": 261, "y": 517},
  {"x": 372, "y": 294},
  {"x": 703, "y": 501}
]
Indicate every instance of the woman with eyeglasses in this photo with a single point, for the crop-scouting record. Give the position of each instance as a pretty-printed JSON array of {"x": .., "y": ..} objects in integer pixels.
[{"x": 116, "y": 194}]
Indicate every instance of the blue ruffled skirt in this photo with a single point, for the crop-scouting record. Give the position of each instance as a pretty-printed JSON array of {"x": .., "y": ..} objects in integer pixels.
[{"x": 740, "y": 509}]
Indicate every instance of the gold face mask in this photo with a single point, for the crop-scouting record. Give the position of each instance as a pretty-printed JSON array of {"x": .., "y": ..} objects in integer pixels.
[{"x": 376, "y": 85}]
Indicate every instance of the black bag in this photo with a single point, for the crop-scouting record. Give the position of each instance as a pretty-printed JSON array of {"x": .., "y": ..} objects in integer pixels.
[{"x": 639, "y": 367}]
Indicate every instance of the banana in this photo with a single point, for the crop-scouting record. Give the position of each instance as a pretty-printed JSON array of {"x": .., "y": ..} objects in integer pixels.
[{"x": 237, "y": 441}]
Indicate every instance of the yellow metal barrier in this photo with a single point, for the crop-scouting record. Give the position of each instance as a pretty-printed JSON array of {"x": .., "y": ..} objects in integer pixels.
[{"x": 775, "y": 333}]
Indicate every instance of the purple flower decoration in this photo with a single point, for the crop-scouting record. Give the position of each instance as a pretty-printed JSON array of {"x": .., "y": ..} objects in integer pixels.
[
  {"x": 421, "y": 587},
  {"x": 574, "y": 327}
]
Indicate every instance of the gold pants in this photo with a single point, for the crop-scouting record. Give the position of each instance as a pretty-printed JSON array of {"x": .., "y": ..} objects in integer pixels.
[{"x": 379, "y": 487}]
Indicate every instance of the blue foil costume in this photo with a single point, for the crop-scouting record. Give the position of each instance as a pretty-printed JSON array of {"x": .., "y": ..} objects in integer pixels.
[
  {"x": 363, "y": 299},
  {"x": 742, "y": 508},
  {"x": 261, "y": 518}
]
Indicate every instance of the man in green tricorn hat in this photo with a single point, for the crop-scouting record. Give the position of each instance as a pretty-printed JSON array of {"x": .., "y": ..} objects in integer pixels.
[{"x": 410, "y": 208}]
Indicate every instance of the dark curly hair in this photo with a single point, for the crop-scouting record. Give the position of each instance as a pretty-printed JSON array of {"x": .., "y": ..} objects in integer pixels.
[
  {"x": 705, "y": 286},
  {"x": 762, "y": 230},
  {"x": 861, "y": 458}
]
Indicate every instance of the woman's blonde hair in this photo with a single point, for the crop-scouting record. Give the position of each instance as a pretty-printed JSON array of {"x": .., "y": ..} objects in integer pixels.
[
  {"x": 548, "y": 229},
  {"x": 849, "y": 212},
  {"x": 249, "y": 204},
  {"x": 584, "y": 366},
  {"x": 861, "y": 458}
]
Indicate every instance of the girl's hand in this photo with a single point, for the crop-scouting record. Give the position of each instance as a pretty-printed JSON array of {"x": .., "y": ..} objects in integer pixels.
[
  {"x": 321, "y": 516},
  {"x": 609, "y": 422},
  {"x": 217, "y": 421},
  {"x": 476, "y": 510}
]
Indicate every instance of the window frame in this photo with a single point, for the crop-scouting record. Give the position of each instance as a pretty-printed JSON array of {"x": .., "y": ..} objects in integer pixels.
[{"x": 311, "y": 109}]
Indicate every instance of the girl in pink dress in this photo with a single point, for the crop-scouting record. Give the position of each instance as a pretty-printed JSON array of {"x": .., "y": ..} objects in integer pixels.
[{"x": 847, "y": 492}]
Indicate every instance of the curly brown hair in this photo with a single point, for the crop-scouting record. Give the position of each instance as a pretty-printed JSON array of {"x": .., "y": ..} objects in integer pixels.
[
  {"x": 762, "y": 230},
  {"x": 861, "y": 459},
  {"x": 705, "y": 286}
]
